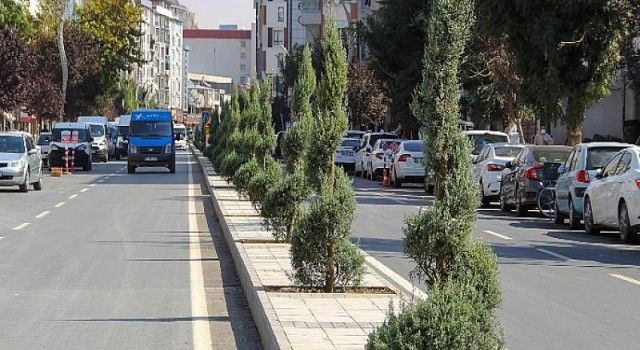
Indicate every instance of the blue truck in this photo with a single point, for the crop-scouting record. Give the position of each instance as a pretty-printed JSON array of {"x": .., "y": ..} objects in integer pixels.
[{"x": 151, "y": 140}]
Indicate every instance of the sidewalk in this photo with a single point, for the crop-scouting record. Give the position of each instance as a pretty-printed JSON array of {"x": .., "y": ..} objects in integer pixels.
[{"x": 292, "y": 320}]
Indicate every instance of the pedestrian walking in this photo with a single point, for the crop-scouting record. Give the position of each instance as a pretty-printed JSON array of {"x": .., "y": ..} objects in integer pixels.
[{"x": 542, "y": 138}]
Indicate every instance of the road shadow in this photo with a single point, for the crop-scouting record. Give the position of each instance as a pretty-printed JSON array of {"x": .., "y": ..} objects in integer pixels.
[{"x": 380, "y": 244}]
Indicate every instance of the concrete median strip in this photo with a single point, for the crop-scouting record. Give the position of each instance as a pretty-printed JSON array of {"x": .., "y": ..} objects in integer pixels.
[{"x": 288, "y": 320}]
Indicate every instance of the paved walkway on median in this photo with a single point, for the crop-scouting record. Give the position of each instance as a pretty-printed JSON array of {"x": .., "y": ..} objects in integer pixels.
[{"x": 307, "y": 320}]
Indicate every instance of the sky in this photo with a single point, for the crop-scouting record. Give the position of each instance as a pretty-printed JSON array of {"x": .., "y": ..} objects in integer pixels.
[{"x": 211, "y": 13}]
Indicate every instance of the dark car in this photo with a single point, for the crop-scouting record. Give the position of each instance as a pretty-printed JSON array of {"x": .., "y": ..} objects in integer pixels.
[
  {"x": 523, "y": 178},
  {"x": 277, "y": 150}
]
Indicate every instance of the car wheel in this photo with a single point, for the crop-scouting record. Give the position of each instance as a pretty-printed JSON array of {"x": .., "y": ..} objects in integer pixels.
[
  {"x": 574, "y": 221},
  {"x": 131, "y": 169},
  {"x": 172, "y": 167},
  {"x": 520, "y": 209},
  {"x": 558, "y": 218},
  {"x": 396, "y": 182},
  {"x": 589, "y": 225},
  {"x": 363, "y": 173},
  {"x": 484, "y": 201},
  {"x": 627, "y": 234},
  {"x": 105, "y": 158},
  {"x": 25, "y": 186},
  {"x": 39, "y": 185},
  {"x": 117, "y": 156}
]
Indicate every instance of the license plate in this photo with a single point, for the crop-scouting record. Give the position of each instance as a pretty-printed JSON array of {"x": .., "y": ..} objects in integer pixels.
[
  {"x": 345, "y": 153},
  {"x": 151, "y": 159},
  {"x": 417, "y": 160}
]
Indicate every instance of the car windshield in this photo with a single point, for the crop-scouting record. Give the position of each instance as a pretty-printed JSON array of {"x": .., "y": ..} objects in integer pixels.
[
  {"x": 66, "y": 135},
  {"x": 44, "y": 139},
  {"x": 354, "y": 135},
  {"x": 551, "y": 156},
  {"x": 350, "y": 143},
  {"x": 507, "y": 151},
  {"x": 479, "y": 141},
  {"x": 96, "y": 130},
  {"x": 180, "y": 131},
  {"x": 11, "y": 144},
  {"x": 123, "y": 130},
  {"x": 414, "y": 146},
  {"x": 598, "y": 157},
  {"x": 150, "y": 128}
]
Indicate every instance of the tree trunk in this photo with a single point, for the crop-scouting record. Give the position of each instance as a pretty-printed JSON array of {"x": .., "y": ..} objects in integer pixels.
[
  {"x": 574, "y": 120},
  {"x": 63, "y": 59},
  {"x": 291, "y": 225},
  {"x": 520, "y": 131},
  {"x": 574, "y": 136},
  {"x": 331, "y": 273}
]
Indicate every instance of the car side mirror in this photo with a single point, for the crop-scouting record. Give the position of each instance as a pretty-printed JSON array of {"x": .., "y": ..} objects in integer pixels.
[
  {"x": 599, "y": 174},
  {"x": 91, "y": 139},
  {"x": 125, "y": 137},
  {"x": 177, "y": 137},
  {"x": 509, "y": 165}
]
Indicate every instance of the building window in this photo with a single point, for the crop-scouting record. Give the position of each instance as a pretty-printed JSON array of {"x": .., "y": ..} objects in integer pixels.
[
  {"x": 281, "y": 14},
  {"x": 243, "y": 67},
  {"x": 243, "y": 44},
  {"x": 243, "y": 56},
  {"x": 278, "y": 37}
]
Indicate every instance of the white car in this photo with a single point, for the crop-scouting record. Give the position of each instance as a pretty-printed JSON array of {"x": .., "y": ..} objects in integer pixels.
[
  {"x": 20, "y": 161},
  {"x": 613, "y": 198},
  {"x": 488, "y": 166},
  {"x": 364, "y": 152},
  {"x": 346, "y": 154},
  {"x": 180, "y": 135},
  {"x": 380, "y": 157},
  {"x": 408, "y": 165},
  {"x": 480, "y": 138}
]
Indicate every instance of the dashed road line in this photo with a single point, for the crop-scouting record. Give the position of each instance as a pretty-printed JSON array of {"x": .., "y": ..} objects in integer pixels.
[
  {"x": 21, "y": 226},
  {"x": 1, "y": 238},
  {"x": 100, "y": 181},
  {"x": 625, "y": 278},
  {"x": 92, "y": 185},
  {"x": 555, "y": 255},
  {"x": 43, "y": 214},
  {"x": 73, "y": 196},
  {"x": 59, "y": 204},
  {"x": 496, "y": 234},
  {"x": 84, "y": 190}
]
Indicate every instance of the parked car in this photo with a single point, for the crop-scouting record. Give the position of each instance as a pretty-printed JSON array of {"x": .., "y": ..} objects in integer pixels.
[
  {"x": 71, "y": 136},
  {"x": 480, "y": 138},
  {"x": 366, "y": 146},
  {"x": 354, "y": 134},
  {"x": 488, "y": 167},
  {"x": 612, "y": 200},
  {"x": 522, "y": 178},
  {"x": 408, "y": 163},
  {"x": 346, "y": 154},
  {"x": 380, "y": 158},
  {"x": 575, "y": 176},
  {"x": 20, "y": 161},
  {"x": 43, "y": 142}
]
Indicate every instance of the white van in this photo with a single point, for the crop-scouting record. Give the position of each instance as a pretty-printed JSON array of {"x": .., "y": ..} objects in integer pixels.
[
  {"x": 100, "y": 133},
  {"x": 71, "y": 136},
  {"x": 181, "y": 142},
  {"x": 122, "y": 144}
]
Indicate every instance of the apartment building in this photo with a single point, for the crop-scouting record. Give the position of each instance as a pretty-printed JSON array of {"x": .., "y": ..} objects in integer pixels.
[
  {"x": 272, "y": 35},
  {"x": 222, "y": 53},
  {"x": 168, "y": 50}
]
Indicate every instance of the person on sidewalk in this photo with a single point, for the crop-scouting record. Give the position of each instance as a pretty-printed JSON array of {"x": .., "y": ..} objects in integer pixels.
[{"x": 542, "y": 138}]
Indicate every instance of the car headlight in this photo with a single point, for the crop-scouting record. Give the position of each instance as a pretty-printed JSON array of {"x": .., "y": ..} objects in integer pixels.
[
  {"x": 133, "y": 149},
  {"x": 17, "y": 164},
  {"x": 81, "y": 147},
  {"x": 103, "y": 143},
  {"x": 167, "y": 148}
]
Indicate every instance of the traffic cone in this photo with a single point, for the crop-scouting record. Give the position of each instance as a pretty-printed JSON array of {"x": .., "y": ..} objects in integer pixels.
[{"x": 386, "y": 180}]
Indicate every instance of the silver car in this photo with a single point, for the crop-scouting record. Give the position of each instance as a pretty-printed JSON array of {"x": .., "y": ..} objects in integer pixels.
[
  {"x": 20, "y": 161},
  {"x": 43, "y": 142}
]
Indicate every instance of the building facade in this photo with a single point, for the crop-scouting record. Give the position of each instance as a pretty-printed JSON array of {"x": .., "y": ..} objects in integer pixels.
[
  {"x": 272, "y": 36},
  {"x": 225, "y": 53},
  {"x": 168, "y": 48}
]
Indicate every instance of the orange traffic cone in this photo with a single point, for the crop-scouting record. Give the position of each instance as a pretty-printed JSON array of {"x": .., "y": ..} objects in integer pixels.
[{"x": 386, "y": 180}]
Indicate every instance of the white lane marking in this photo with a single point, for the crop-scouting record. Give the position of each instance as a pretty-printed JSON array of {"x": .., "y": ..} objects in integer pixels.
[
  {"x": 1, "y": 237},
  {"x": 555, "y": 255},
  {"x": 73, "y": 196},
  {"x": 84, "y": 190},
  {"x": 100, "y": 181},
  {"x": 625, "y": 278},
  {"x": 497, "y": 234},
  {"x": 199, "y": 311},
  {"x": 21, "y": 226},
  {"x": 43, "y": 214},
  {"x": 60, "y": 204},
  {"x": 92, "y": 185}
]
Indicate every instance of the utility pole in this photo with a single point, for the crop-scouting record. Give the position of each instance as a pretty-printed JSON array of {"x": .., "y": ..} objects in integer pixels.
[{"x": 63, "y": 56}]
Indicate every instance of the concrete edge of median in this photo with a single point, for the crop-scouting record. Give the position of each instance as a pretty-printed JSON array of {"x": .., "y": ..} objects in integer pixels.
[{"x": 272, "y": 335}]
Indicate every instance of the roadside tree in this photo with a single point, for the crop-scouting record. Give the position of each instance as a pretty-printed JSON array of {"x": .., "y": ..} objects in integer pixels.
[
  {"x": 321, "y": 252},
  {"x": 367, "y": 101}
]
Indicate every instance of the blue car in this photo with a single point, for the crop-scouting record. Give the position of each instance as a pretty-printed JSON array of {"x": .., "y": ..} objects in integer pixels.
[
  {"x": 151, "y": 140},
  {"x": 580, "y": 168}
]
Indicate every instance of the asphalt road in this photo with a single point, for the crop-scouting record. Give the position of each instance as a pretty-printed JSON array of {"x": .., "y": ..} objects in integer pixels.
[
  {"x": 108, "y": 260},
  {"x": 561, "y": 289}
]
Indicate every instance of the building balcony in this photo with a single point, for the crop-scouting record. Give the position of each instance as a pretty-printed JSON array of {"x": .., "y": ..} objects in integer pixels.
[{"x": 311, "y": 12}]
